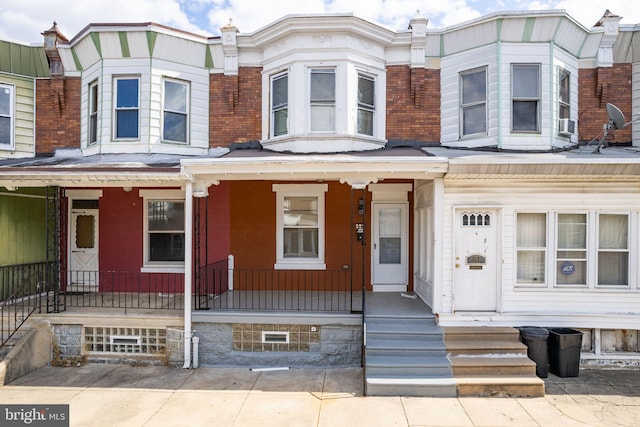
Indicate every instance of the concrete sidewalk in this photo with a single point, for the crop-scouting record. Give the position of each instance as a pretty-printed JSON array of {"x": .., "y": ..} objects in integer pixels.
[{"x": 123, "y": 395}]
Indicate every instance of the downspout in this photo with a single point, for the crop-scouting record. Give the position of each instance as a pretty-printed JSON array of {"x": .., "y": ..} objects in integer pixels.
[{"x": 188, "y": 272}]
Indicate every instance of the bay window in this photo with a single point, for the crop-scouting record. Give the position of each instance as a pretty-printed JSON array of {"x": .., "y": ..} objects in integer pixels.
[
  {"x": 175, "y": 111},
  {"x": 279, "y": 104},
  {"x": 525, "y": 97},
  {"x": 127, "y": 106},
  {"x": 93, "y": 113},
  {"x": 474, "y": 102},
  {"x": 323, "y": 100},
  {"x": 366, "y": 104}
]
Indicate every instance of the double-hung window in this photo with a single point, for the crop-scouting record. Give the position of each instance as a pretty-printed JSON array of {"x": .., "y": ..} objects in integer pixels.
[
  {"x": 6, "y": 116},
  {"x": 127, "y": 107},
  {"x": 571, "y": 249},
  {"x": 300, "y": 226},
  {"x": 473, "y": 102},
  {"x": 564, "y": 89},
  {"x": 525, "y": 97},
  {"x": 93, "y": 113},
  {"x": 164, "y": 232},
  {"x": 279, "y": 104},
  {"x": 366, "y": 104},
  {"x": 175, "y": 111},
  {"x": 323, "y": 100},
  {"x": 531, "y": 246},
  {"x": 613, "y": 250}
]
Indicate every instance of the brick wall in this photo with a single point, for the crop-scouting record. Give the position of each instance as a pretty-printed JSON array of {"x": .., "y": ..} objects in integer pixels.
[
  {"x": 599, "y": 86},
  {"x": 413, "y": 104},
  {"x": 235, "y": 107},
  {"x": 57, "y": 114}
]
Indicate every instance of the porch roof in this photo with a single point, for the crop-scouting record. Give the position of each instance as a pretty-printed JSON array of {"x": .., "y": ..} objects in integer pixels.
[{"x": 355, "y": 168}]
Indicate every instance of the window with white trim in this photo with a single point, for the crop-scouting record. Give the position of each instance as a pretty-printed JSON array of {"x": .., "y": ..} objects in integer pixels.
[
  {"x": 164, "y": 234},
  {"x": 366, "y": 104},
  {"x": 323, "y": 99},
  {"x": 473, "y": 103},
  {"x": 564, "y": 91},
  {"x": 525, "y": 97},
  {"x": 93, "y": 113},
  {"x": 279, "y": 105},
  {"x": 300, "y": 226},
  {"x": 126, "y": 108},
  {"x": 592, "y": 250},
  {"x": 175, "y": 109},
  {"x": 6, "y": 116}
]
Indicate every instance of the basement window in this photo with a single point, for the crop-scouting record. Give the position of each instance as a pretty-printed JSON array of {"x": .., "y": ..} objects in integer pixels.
[{"x": 275, "y": 337}]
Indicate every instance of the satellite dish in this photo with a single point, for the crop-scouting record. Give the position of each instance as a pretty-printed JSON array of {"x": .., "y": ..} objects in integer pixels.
[{"x": 616, "y": 118}]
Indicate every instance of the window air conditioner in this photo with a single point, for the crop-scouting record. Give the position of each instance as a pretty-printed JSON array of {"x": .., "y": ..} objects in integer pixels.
[{"x": 566, "y": 127}]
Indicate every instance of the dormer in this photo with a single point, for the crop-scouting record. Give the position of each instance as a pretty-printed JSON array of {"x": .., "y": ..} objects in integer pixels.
[{"x": 323, "y": 82}]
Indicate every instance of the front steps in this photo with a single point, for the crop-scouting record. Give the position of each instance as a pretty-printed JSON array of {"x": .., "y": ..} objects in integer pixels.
[
  {"x": 488, "y": 361},
  {"x": 405, "y": 356}
]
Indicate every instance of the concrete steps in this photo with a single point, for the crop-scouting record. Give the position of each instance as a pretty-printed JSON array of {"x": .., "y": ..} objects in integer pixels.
[
  {"x": 490, "y": 361},
  {"x": 406, "y": 356}
]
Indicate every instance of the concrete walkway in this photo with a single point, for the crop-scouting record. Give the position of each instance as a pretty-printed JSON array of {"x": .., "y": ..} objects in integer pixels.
[{"x": 122, "y": 395}]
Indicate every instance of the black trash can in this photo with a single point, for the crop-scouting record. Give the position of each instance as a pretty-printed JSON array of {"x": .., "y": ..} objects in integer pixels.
[
  {"x": 564, "y": 351},
  {"x": 535, "y": 338}
]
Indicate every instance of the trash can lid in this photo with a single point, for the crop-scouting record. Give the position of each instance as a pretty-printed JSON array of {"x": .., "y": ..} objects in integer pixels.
[{"x": 534, "y": 332}]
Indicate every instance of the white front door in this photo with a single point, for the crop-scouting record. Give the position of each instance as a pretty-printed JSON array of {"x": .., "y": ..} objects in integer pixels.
[
  {"x": 475, "y": 274},
  {"x": 389, "y": 251},
  {"x": 83, "y": 248}
]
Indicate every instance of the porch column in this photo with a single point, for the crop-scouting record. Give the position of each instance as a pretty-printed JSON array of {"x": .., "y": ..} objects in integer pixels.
[
  {"x": 188, "y": 272},
  {"x": 438, "y": 239}
]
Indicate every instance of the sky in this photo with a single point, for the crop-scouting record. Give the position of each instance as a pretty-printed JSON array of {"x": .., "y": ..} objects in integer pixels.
[{"x": 24, "y": 20}]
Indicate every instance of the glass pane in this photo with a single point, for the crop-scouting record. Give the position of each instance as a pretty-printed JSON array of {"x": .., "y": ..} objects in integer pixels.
[
  {"x": 564, "y": 87},
  {"x": 127, "y": 124},
  {"x": 572, "y": 231},
  {"x": 390, "y": 222},
  {"x": 5, "y": 130},
  {"x": 301, "y": 211},
  {"x": 166, "y": 216},
  {"x": 474, "y": 120},
  {"x": 85, "y": 231},
  {"x": 474, "y": 87},
  {"x": 613, "y": 268},
  {"x": 175, "y": 96},
  {"x": 323, "y": 118},
  {"x": 93, "y": 128},
  {"x": 365, "y": 122},
  {"x": 390, "y": 250},
  {"x": 531, "y": 266},
  {"x": 532, "y": 230},
  {"x": 94, "y": 99},
  {"x": 564, "y": 111},
  {"x": 85, "y": 204},
  {"x": 571, "y": 273},
  {"x": 323, "y": 86},
  {"x": 175, "y": 127},
  {"x": 525, "y": 116},
  {"x": 280, "y": 91},
  {"x": 613, "y": 232},
  {"x": 280, "y": 122},
  {"x": 525, "y": 81},
  {"x": 365, "y": 91},
  {"x": 127, "y": 93},
  {"x": 5, "y": 101},
  {"x": 300, "y": 243},
  {"x": 166, "y": 247}
]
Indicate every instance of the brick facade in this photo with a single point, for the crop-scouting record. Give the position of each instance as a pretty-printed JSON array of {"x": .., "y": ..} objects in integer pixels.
[
  {"x": 235, "y": 107},
  {"x": 57, "y": 114},
  {"x": 413, "y": 104},
  {"x": 598, "y": 86}
]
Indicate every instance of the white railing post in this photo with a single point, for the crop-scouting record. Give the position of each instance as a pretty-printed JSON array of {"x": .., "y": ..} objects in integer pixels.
[{"x": 230, "y": 266}]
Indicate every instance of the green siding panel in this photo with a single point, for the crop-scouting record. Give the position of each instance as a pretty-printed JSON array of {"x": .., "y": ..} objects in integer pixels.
[
  {"x": 151, "y": 41},
  {"x": 22, "y": 229},
  {"x": 23, "y": 60},
  {"x": 76, "y": 59},
  {"x": 124, "y": 44},
  {"x": 95, "y": 38},
  {"x": 208, "y": 58},
  {"x": 528, "y": 29}
]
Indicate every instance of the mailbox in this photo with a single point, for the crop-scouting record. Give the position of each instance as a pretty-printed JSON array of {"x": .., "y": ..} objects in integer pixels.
[{"x": 476, "y": 262}]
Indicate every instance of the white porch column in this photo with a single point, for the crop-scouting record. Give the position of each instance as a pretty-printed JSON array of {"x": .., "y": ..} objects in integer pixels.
[
  {"x": 188, "y": 272},
  {"x": 438, "y": 239}
]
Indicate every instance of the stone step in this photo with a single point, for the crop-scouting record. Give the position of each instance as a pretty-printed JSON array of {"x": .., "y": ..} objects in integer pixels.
[
  {"x": 480, "y": 332},
  {"x": 406, "y": 366},
  {"x": 484, "y": 347},
  {"x": 487, "y": 365},
  {"x": 411, "y": 386},
  {"x": 402, "y": 342},
  {"x": 491, "y": 385},
  {"x": 409, "y": 326}
]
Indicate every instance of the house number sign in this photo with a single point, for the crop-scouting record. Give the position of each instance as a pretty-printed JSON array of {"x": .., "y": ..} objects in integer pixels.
[{"x": 476, "y": 262}]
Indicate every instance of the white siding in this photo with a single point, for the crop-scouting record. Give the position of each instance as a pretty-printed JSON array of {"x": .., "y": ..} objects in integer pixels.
[{"x": 635, "y": 103}]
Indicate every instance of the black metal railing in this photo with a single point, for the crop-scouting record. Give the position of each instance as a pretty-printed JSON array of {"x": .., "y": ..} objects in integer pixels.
[
  {"x": 284, "y": 290},
  {"x": 21, "y": 290},
  {"x": 122, "y": 289},
  {"x": 211, "y": 281}
]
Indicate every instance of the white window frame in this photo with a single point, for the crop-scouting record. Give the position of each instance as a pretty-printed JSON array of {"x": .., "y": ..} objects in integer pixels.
[
  {"x": 12, "y": 119},
  {"x": 599, "y": 250},
  {"x": 323, "y": 103},
  {"x": 185, "y": 113},
  {"x": 92, "y": 117},
  {"x": 299, "y": 190},
  {"x": 536, "y": 98},
  {"x": 116, "y": 109},
  {"x": 543, "y": 249},
  {"x": 474, "y": 104},
  {"x": 564, "y": 103},
  {"x": 371, "y": 108},
  {"x": 274, "y": 109},
  {"x": 159, "y": 196}
]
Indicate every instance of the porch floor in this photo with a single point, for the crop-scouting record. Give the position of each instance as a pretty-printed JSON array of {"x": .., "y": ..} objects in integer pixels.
[{"x": 394, "y": 304}]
